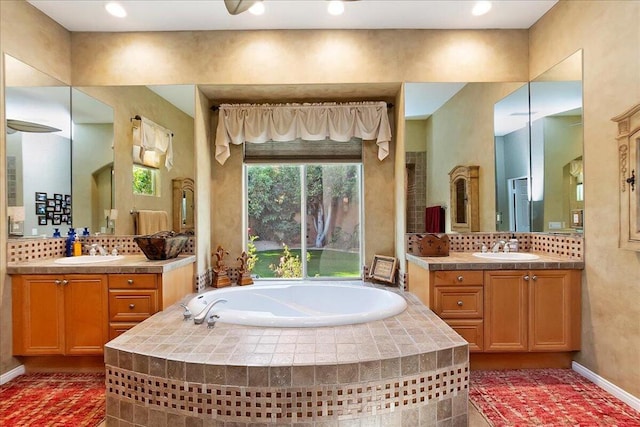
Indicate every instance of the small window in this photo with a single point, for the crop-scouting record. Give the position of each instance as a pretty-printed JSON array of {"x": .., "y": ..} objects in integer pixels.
[{"x": 145, "y": 180}]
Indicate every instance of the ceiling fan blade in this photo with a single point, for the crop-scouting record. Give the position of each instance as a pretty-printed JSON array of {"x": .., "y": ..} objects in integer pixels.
[
  {"x": 236, "y": 7},
  {"x": 22, "y": 126}
]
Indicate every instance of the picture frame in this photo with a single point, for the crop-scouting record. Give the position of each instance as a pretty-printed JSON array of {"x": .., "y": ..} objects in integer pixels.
[
  {"x": 57, "y": 196},
  {"x": 41, "y": 208},
  {"x": 51, "y": 203},
  {"x": 67, "y": 199},
  {"x": 57, "y": 208},
  {"x": 49, "y": 215},
  {"x": 69, "y": 220},
  {"x": 42, "y": 220},
  {"x": 41, "y": 197},
  {"x": 64, "y": 218},
  {"x": 57, "y": 220},
  {"x": 383, "y": 268}
]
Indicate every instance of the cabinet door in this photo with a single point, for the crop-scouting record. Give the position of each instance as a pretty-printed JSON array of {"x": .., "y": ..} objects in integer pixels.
[
  {"x": 86, "y": 314},
  {"x": 38, "y": 315},
  {"x": 554, "y": 310},
  {"x": 505, "y": 311}
]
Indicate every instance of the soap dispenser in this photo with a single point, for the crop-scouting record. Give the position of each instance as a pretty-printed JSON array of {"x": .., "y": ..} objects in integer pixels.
[
  {"x": 71, "y": 236},
  {"x": 77, "y": 246},
  {"x": 513, "y": 243}
]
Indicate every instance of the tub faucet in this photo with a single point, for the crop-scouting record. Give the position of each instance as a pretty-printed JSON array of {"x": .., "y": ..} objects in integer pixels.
[{"x": 199, "y": 318}]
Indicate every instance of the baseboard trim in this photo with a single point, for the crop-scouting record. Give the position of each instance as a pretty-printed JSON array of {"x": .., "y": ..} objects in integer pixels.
[
  {"x": 14, "y": 373},
  {"x": 626, "y": 397}
]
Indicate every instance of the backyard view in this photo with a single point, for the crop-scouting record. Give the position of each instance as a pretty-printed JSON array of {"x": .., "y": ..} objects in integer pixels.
[{"x": 331, "y": 208}]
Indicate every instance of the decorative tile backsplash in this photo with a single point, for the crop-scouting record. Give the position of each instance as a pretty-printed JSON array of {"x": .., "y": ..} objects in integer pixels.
[
  {"x": 560, "y": 245},
  {"x": 25, "y": 250}
]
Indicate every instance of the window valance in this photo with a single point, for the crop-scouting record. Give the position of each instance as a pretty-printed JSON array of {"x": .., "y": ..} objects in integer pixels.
[{"x": 254, "y": 123}]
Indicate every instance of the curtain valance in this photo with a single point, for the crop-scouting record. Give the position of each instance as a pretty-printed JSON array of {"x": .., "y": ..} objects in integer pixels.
[{"x": 254, "y": 123}]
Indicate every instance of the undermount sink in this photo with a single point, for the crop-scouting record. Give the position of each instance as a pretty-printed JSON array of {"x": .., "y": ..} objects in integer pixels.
[
  {"x": 87, "y": 259},
  {"x": 506, "y": 256}
]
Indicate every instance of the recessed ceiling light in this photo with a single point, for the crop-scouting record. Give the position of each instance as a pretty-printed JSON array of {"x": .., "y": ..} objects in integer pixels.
[
  {"x": 257, "y": 8},
  {"x": 115, "y": 9},
  {"x": 481, "y": 7},
  {"x": 335, "y": 7}
]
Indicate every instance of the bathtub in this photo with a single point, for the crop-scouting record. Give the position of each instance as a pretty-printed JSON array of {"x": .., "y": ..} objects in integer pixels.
[{"x": 295, "y": 305}]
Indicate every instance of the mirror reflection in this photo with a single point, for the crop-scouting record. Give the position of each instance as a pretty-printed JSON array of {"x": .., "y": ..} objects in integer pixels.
[
  {"x": 92, "y": 160},
  {"x": 539, "y": 166},
  {"x": 38, "y": 158}
]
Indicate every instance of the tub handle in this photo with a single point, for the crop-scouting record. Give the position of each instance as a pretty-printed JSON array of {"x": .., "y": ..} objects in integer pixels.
[
  {"x": 186, "y": 313},
  {"x": 211, "y": 321}
]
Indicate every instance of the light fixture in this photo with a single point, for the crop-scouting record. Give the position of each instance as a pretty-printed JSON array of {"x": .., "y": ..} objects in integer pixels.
[
  {"x": 257, "y": 8},
  {"x": 115, "y": 9},
  {"x": 481, "y": 7},
  {"x": 336, "y": 7}
]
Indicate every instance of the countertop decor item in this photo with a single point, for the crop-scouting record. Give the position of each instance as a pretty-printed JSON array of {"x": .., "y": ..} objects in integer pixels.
[
  {"x": 162, "y": 245},
  {"x": 434, "y": 244}
]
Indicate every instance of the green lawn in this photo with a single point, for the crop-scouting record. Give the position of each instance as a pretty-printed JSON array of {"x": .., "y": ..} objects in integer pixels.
[{"x": 334, "y": 263}]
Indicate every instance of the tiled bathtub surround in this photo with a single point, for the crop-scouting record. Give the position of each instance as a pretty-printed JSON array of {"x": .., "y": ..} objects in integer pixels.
[
  {"x": 24, "y": 250},
  {"x": 560, "y": 245},
  {"x": 411, "y": 369}
]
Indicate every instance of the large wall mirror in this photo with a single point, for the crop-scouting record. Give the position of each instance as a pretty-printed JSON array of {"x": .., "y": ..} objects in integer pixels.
[
  {"x": 487, "y": 124},
  {"x": 538, "y": 149},
  {"x": 69, "y": 152},
  {"x": 38, "y": 158}
]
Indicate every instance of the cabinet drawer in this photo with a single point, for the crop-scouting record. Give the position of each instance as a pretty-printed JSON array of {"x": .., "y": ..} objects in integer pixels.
[
  {"x": 458, "y": 302},
  {"x": 471, "y": 330},
  {"x": 132, "y": 306},
  {"x": 119, "y": 328},
  {"x": 132, "y": 281},
  {"x": 455, "y": 277}
]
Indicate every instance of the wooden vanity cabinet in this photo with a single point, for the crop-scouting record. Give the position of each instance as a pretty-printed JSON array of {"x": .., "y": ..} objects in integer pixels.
[
  {"x": 536, "y": 310},
  {"x": 457, "y": 298},
  {"x": 136, "y": 297},
  {"x": 59, "y": 314}
]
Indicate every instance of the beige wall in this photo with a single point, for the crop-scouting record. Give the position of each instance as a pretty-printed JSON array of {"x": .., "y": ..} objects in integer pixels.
[
  {"x": 461, "y": 133},
  {"x": 609, "y": 34},
  {"x": 416, "y": 135}
]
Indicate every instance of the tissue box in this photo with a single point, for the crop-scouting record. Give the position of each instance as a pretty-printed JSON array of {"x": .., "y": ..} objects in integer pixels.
[
  {"x": 162, "y": 245},
  {"x": 434, "y": 245}
]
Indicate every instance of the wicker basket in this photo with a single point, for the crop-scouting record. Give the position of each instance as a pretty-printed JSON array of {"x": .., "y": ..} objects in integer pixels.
[{"x": 162, "y": 245}]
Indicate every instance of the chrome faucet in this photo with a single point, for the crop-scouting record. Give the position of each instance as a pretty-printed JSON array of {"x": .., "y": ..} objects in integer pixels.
[
  {"x": 199, "y": 318},
  {"x": 96, "y": 248},
  {"x": 495, "y": 248}
]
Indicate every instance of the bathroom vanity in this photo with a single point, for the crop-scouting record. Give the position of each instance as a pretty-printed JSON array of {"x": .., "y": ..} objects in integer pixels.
[
  {"x": 75, "y": 309},
  {"x": 506, "y": 310}
]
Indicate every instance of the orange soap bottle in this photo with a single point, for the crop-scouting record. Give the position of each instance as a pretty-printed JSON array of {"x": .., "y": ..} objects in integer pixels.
[{"x": 77, "y": 247}]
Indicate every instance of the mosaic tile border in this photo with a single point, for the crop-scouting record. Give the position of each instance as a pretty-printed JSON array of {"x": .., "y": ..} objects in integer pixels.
[
  {"x": 565, "y": 246},
  {"x": 287, "y": 405},
  {"x": 24, "y": 250}
]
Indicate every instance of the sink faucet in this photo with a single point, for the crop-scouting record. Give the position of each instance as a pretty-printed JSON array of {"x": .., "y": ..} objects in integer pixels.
[
  {"x": 495, "y": 248},
  {"x": 199, "y": 318}
]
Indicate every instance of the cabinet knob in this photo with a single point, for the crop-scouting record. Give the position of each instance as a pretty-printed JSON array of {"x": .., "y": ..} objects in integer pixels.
[
  {"x": 459, "y": 303},
  {"x": 460, "y": 278},
  {"x": 65, "y": 281},
  {"x": 534, "y": 277},
  {"x": 58, "y": 282},
  {"x": 526, "y": 277},
  {"x": 132, "y": 306},
  {"x": 130, "y": 281}
]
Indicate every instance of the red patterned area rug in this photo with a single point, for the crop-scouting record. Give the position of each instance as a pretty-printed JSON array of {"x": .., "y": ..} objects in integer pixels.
[
  {"x": 546, "y": 397},
  {"x": 53, "y": 400}
]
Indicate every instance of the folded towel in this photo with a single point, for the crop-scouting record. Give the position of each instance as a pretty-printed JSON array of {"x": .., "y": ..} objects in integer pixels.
[{"x": 150, "y": 222}]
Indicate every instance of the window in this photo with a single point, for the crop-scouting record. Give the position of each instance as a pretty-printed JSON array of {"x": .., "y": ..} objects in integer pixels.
[
  {"x": 145, "y": 180},
  {"x": 318, "y": 201}
]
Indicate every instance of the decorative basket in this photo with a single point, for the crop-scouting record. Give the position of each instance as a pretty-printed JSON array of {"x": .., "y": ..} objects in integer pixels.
[
  {"x": 434, "y": 245},
  {"x": 162, "y": 245}
]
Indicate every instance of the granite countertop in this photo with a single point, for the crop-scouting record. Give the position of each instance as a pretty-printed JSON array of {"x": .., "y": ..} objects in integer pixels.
[
  {"x": 165, "y": 335},
  {"x": 132, "y": 264},
  {"x": 467, "y": 261}
]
